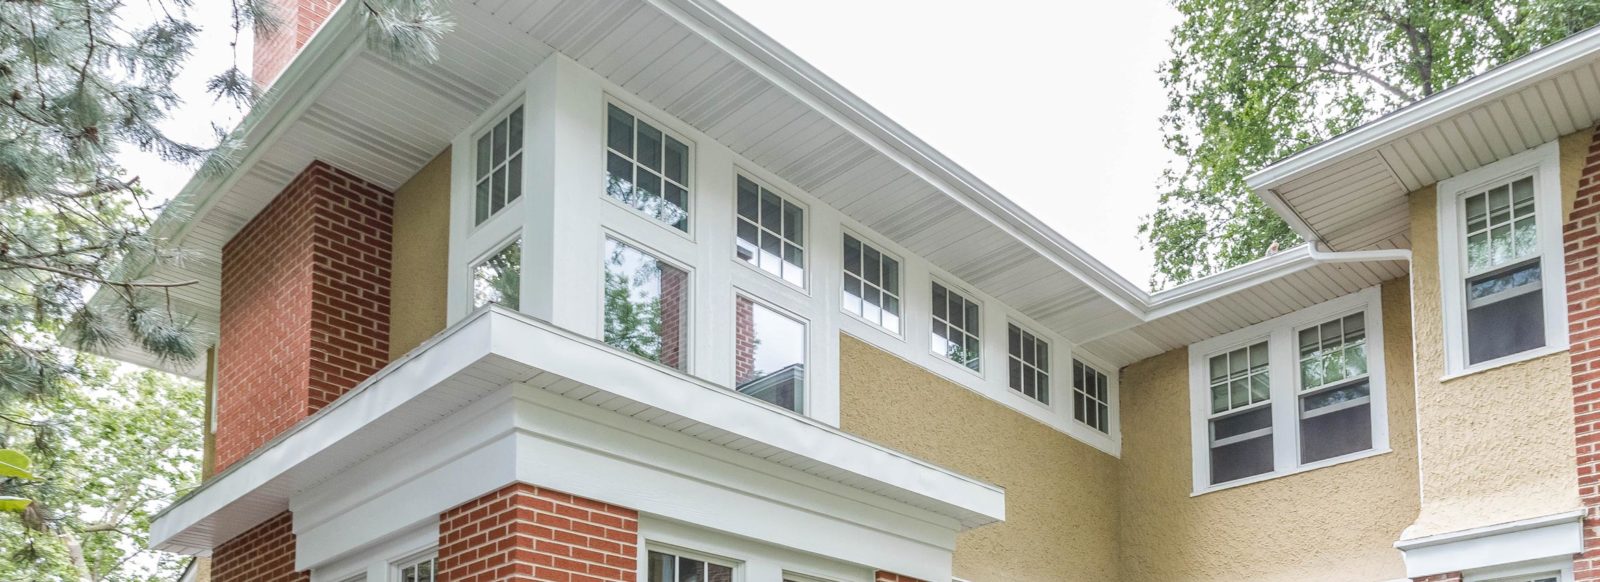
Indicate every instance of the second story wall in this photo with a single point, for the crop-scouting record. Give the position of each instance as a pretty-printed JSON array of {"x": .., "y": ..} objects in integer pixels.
[
  {"x": 421, "y": 256},
  {"x": 1342, "y": 518}
]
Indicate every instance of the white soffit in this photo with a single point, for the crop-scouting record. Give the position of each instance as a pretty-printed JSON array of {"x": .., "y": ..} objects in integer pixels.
[
  {"x": 1350, "y": 191},
  {"x": 495, "y": 348}
]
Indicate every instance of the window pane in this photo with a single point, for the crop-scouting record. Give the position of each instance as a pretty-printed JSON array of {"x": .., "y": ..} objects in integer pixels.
[
  {"x": 619, "y": 131},
  {"x": 769, "y": 358},
  {"x": 1242, "y": 459},
  {"x": 649, "y": 153},
  {"x": 619, "y": 178},
  {"x": 498, "y": 279},
  {"x": 793, "y": 223},
  {"x": 691, "y": 570},
  {"x": 646, "y": 305},
  {"x": 1090, "y": 398},
  {"x": 748, "y": 239},
  {"x": 663, "y": 567},
  {"x": 1505, "y": 327},
  {"x": 647, "y": 169},
  {"x": 514, "y": 178},
  {"x": 718, "y": 573},
  {"x": 676, "y": 164},
  {"x": 1336, "y": 433},
  {"x": 749, "y": 196}
]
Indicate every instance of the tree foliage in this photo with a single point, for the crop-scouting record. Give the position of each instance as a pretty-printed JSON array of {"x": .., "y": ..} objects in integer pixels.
[{"x": 1252, "y": 81}]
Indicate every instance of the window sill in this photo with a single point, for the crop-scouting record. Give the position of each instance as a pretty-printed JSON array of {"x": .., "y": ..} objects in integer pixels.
[
  {"x": 1533, "y": 354},
  {"x": 1325, "y": 463}
]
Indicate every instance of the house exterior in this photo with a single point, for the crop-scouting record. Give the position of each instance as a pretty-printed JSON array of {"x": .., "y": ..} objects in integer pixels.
[{"x": 622, "y": 290}]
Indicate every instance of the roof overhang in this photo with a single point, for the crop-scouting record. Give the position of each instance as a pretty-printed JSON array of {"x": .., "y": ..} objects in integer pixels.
[
  {"x": 495, "y": 348},
  {"x": 1349, "y": 192}
]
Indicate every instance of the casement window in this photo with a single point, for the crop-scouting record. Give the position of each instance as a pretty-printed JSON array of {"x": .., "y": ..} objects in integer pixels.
[
  {"x": 956, "y": 325},
  {"x": 1091, "y": 397},
  {"x": 647, "y": 168},
  {"x": 769, "y": 354},
  {"x": 1295, "y": 393},
  {"x": 1028, "y": 363},
  {"x": 770, "y": 232},
  {"x": 670, "y": 567},
  {"x": 1500, "y": 261},
  {"x": 646, "y": 305},
  {"x": 418, "y": 571},
  {"x": 498, "y": 167},
  {"x": 871, "y": 284},
  {"x": 498, "y": 278}
]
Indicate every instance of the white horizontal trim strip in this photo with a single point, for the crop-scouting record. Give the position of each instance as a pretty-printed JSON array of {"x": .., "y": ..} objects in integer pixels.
[{"x": 1551, "y": 536}]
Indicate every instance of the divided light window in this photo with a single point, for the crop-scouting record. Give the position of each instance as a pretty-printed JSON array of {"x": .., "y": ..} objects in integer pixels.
[
  {"x": 498, "y": 176},
  {"x": 498, "y": 278},
  {"x": 871, "y": 284},
  {"x": 1241, "y": 414},
  {"x": 771, "y": 232},
  {"x": 955, "y": 327},
  {"x": 646, "y": 168},
  {"x": 1029, "y": 363},
  {"x": 646, "y": 305},
  {"x": 420, "y": 571},
  {"x": 1091, "y": 400},
  {"x": 769, "y": 354},
  {"x": 666, "y": 567},
  {"x": 1335, "y": 394},
  {"x": 1505, "y": 310}
]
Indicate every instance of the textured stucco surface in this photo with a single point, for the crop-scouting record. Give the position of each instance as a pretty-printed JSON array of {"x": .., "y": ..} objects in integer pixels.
[
  {"x": 421, "y": 256},
  {"x": 1061, "y": 494},
  {"x": 1334, "y": 523},
  {"x": 1496, "y": 445}
]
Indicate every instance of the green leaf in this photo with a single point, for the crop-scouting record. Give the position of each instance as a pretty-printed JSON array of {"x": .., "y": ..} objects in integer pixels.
[
  {"x": 8, "y": 503},
  {"x": 14, "y": 463}
]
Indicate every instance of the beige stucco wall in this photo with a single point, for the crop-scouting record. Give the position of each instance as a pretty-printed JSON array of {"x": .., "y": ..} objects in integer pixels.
[
  {"x": 1061, "y": 510},
  {"x": 421, "y": 256},
  {"x": 1334, "y": 523},
  {"x": 1497, "y": 445}
]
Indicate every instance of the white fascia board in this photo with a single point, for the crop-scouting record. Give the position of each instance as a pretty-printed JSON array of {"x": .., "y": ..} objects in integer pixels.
[
  {"x": 1539, "y": 538},
  {"x": 506, "y": 347},
  {"x": 1462, "y": 97}
]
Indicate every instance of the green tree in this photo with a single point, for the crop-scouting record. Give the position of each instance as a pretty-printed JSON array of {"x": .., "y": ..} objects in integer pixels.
[{"x": 1252, "y": 81}]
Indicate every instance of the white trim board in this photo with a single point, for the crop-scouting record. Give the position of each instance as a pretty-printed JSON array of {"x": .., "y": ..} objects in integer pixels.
[{"x": 1556, "y": 537}]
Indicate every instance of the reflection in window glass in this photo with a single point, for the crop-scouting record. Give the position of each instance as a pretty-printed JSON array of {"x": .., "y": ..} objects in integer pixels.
[
  {"x": 1029, "y": 359},
  {"x": 418, "y": 572},
  {"x": 664, "y": 567},
  {"x": 498, "y": 279},
  {"x": 1335, "y": 401},
  {"x": 955, "y": 327},
  {"x": 770, "y": 232},
  {"x": 769, "y": 355},
  {"x": 499, "y": 167},
  {"x": 647, "y": 169},
  {"x": 646, "y": 305},
  {"x": 1091, "y": 401},
  {"x": 871, "y": 284}
]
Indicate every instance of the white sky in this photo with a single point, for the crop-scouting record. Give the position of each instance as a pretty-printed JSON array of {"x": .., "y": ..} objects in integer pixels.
[{"x": 1055, "y": 104}]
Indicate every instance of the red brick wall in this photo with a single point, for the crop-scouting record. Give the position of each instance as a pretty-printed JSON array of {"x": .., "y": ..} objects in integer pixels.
[
  {"x": 298, "y": 20},
  {"x": 305, "y": 306},
  {"x": 674, "y": 306},
  {"x": 893, "y": 577},
  {"x": 263, "y": 554},
  {"x": 744, "y": 330},
  {"x": 527, "y": 533},
  {"x": 1582, "y": 242}
]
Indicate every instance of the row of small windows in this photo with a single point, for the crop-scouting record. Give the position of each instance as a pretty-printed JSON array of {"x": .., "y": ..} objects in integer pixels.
[{"x": 646, "y": 299}]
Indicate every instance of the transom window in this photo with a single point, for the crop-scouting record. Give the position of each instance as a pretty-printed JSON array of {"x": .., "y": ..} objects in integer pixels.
[
  {"x": 498, "y": 177},
  {"x": 647, "y": 168},
  {"x": 769, "y": 354},
  {"x": 1028, "y": 359},
  {"x": 955, "y": 327},
  {"x": 498, "y": 278},
  {"x": 871, "y": 284},
  {"x": 771, "y": 232},
  {"x": 1335, "y": 394},
  {"x": 665, "y": 567},
  {"x": 420, "y": 571},
  {"x": 1241, "y": 420},
  {"x": 1091, "y": 400},
  {"x": 646, "y": 305}
]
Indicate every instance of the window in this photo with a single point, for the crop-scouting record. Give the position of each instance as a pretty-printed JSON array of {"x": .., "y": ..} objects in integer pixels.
[
  {"x": 1295, "y": 393},
  {"x": 1500, "y": 246},
  {"x": 955, "y": 327},
  {"x": 498, "y": 179},
  {"x": 871, "y": 284},
  {"x": 664, "y": 567},
  {"x": 420, "y": 571},
  {"x": 1335, "y": 395},
  {"x": 1091, "y": 400},
  {"x": 770, "y": 354},
  {"x": 1241, "y": 418},
  {"x": 771, "y": 232},
  {"x": 1029, "y": 363},
  {"x": 647, "y": 169},
  {"x": 646, "y": 305},
  {"x": 498, "y": 279}
]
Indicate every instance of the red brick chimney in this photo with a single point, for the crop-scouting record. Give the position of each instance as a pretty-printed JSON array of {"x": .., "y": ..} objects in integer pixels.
[{"x": 297, "y": 21}]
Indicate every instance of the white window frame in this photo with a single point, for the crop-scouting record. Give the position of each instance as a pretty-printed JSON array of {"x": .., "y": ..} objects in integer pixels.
[
  {"x": 666, "y": 129},
  {"x": 1543, "y": 163},
  {"x": 983, "y": 342},
  {"x": 471, "y": 241},
  {"x": 1283, "y": 357},
  {"x": 899, "y": 332},
  {"x": 804, "y": 287},
  {"x": 692, "y": 325},
  {"x": 681, "y": 551},
  {"x": 805, "y": 343},
  {"x": 1111, "y": 394},
  {"x": 1052, "y": 370},
  {"x": 395, "y": 566},
  {"x": 488, "y": 252},
  {"x": 752, "y": 560},
  {"x": 1523, "y": 572}
]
